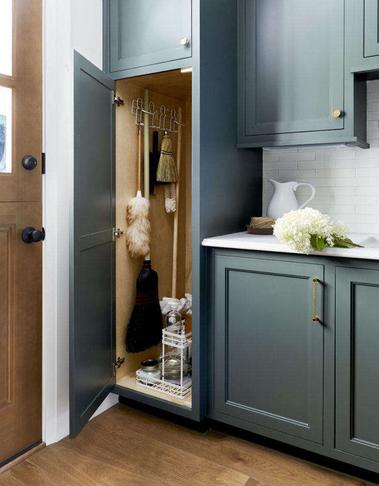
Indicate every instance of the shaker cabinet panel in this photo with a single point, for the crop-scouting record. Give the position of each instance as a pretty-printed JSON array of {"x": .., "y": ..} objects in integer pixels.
[
  {"x": 268, "y": 350},
  {"x": 371, "y": 30},
  {"x": 291, "y": 69},
  {"x": 357, "y": 361},
  {"x": 147, "y": 32}
]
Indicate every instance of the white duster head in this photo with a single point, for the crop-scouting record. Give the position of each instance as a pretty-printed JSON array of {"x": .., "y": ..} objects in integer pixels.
[{"x": 138, "y": 230}]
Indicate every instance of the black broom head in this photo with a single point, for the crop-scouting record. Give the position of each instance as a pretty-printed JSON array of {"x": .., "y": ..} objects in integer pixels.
[{"x": 145, "y": 326}]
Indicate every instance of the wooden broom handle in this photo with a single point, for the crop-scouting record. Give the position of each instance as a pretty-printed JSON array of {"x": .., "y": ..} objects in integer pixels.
[
  {"x": 146, "y": 151},
  {"x": 139, "y": 158},
  {"x": 176, "y": 215},
  {"x": 146, "y": 147}
]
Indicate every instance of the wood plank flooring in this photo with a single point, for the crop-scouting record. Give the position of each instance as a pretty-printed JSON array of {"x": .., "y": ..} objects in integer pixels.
[{"x": 125, "y": 446}]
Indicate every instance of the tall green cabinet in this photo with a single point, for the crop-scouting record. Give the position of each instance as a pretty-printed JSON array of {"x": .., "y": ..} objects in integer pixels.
[{"x": 212, "y": 54}]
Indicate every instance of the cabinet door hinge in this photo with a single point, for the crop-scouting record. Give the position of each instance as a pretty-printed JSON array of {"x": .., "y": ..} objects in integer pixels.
[
  {"x": 117, "y": 100},
  {"x": 117, "y": 233},
  {"x": 117, "y": 364}
]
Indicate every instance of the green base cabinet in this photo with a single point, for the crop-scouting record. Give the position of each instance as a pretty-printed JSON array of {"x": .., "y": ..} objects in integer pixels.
[
  {"x": 269, "y": 352},
  {"x": 357, "y": 361},
  {"x": 294, "y": 351},
  {"x": 293, "y": 85}
]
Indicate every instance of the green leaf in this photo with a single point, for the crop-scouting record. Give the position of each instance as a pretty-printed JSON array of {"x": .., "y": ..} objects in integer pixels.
[
  {"x": 344, "y": 243},
  {"x": 318, "y": 243}
]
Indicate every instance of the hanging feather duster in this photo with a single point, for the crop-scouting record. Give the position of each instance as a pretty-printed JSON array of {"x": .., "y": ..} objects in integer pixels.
[{"x": 138, "y": 230}]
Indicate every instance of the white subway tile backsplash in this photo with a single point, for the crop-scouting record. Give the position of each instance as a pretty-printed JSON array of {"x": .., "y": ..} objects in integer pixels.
[
  {"x": 346, "y": 178},
  {"x": 288, "y": 156},
  {"x": 298, "y": 174},
  {"x": 335, "y": 173},
  {"x": 373, "y": 115},
  {"x": 367, "y": 171},
  {"x": 373, "y": 106}
]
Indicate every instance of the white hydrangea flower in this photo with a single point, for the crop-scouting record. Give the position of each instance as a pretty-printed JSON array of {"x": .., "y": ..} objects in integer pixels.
[{"x": 297, "y": 228}]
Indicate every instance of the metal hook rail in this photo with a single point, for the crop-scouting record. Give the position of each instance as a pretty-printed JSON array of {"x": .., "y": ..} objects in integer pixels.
[{"x": 160, "y": 118}]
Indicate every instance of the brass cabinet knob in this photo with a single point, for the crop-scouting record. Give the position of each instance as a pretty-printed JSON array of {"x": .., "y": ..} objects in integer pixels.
[
  {"x": 337, "y": 114},
  {"x": 185, "y": 42}
]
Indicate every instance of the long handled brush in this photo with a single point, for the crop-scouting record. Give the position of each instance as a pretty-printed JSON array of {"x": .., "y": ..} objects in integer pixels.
[
  {"x": 167, "y": 173},
  {"x": 145, "y": 325}
]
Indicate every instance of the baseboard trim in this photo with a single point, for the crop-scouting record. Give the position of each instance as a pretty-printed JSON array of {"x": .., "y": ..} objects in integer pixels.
[{"x": 22, "y": 456}]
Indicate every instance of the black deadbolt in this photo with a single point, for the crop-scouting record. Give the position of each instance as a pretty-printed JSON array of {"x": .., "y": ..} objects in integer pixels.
[
  {"x": 32, "y": 235},
  {"x": 29, "y": 162}
]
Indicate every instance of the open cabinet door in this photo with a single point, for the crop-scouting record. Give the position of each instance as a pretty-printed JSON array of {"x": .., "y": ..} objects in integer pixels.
[{"x": 92, "y": 296}]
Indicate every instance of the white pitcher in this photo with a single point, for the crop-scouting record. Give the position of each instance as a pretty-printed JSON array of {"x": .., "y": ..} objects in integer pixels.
[{"x": 284, "y": 198}]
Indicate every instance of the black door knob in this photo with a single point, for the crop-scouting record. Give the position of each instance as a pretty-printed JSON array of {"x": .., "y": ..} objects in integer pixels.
[
  {"x": 29, "y": 162},
  {"x": 32, "y": 235}
]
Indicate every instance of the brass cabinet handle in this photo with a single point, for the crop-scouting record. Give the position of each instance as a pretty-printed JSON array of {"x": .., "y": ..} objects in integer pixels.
[
  {"x": 337, "y": 113},
  {"x": 315, "y": 316}
]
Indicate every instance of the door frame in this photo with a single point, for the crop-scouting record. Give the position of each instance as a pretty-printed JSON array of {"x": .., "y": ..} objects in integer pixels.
[{"x": 57, "y": 187}]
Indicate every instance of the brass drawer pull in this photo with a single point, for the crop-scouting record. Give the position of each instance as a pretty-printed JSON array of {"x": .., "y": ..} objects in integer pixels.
[{"x": 315, "y": 316}]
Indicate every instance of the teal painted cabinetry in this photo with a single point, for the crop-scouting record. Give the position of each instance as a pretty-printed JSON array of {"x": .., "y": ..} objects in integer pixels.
[
  {"x": 292, "y": 85},
  {"x": 143, "y": 33},
  {"x": 357, "y": 361},
  {"x": 268, "y": 351},
  {"x": 362, "y": 35},
  {"x": 276, "y": 372},
  {"x": 371, "y": 31}
]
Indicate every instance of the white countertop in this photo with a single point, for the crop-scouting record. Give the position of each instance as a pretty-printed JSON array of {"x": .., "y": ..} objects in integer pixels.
[{"x": 245, "y": 241}]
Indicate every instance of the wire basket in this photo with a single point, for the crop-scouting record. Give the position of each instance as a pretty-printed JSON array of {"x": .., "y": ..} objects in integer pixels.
[{"x": 180, "y": 387}]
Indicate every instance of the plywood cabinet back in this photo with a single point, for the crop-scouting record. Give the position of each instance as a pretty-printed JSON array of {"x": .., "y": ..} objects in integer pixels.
[{"x": 127, "y": 268}]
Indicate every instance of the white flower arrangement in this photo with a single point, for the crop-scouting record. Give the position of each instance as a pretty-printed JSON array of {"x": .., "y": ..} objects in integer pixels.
[{"x": 308, "y": 229}]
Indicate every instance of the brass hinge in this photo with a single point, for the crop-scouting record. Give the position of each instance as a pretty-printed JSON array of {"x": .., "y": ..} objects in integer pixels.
[
  {"x": 117, "y": 100},
  {"x": 117, "y": 364}
]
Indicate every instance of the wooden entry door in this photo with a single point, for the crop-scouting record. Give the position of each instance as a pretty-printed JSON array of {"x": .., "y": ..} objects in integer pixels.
[{"x": 20, "y": 207}]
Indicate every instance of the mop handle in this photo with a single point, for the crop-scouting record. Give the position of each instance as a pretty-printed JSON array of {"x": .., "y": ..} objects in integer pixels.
[{"x": 176, "y": 215}]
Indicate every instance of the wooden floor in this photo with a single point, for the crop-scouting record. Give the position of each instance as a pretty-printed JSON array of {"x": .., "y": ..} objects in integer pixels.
[{"x": 125, "y": 446}]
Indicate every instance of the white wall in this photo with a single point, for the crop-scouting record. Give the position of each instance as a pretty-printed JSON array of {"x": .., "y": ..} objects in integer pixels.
[
  {"x": 346, "y": 179},
  {"x": 68, "y": 25}
]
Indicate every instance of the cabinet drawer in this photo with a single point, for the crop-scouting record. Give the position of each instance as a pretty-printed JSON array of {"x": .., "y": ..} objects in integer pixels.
[{"x": 268, "y": 350}]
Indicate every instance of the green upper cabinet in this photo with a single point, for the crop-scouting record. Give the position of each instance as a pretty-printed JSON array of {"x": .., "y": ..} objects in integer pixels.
[
  {"x": 145, "y": 33},
  {"x": 292, "y": 86},
  {"x": 357, "y": 361},
  {"x": 268, "y": 352},
  {"x": 362, "y": 35},
  {"x": 371, "y": 31}
]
